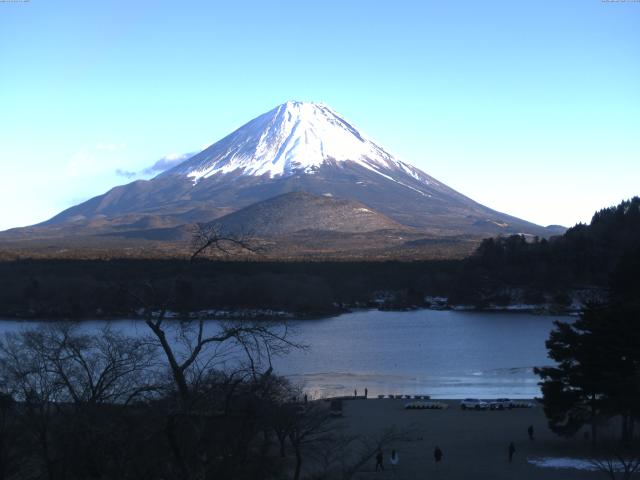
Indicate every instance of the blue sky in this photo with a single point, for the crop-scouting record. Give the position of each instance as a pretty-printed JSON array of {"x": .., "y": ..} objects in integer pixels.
[{"x": 529, "y": 107}]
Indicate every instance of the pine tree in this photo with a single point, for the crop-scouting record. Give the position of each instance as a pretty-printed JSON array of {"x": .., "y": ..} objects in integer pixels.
[
  {"x": 597, "y": 375},
  {"x": 573, "y": 391}
]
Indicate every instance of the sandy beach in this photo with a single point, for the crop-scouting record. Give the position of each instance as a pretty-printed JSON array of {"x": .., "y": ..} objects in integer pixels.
[{"x": 474, "y": 443}]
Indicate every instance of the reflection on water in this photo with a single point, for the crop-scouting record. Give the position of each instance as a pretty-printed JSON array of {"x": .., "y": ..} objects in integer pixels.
[
  {"x": 445, "y": 354},
  {"x": 336, "y": 383}
]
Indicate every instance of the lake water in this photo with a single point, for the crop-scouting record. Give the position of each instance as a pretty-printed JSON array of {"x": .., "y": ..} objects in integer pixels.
[{"x": 446, "y": 354}]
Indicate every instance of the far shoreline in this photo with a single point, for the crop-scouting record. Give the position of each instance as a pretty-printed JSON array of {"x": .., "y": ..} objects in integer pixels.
[{"x": 268, "y": 314}]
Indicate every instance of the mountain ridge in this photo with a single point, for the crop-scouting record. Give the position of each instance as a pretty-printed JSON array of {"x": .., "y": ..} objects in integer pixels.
[{"x": 295, "y": 147}]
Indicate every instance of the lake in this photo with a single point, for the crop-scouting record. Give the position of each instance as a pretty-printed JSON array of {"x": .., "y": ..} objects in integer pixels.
[{"x": 443, "y": 353}]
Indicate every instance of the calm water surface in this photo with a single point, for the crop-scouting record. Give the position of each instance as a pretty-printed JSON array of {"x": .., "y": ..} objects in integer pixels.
[{"x": 447, "y": 354}]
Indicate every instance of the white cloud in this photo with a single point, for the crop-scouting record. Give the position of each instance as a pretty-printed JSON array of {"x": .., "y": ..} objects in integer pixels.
[
  {"x": 125, "y": 173},
  {"x": 168, "y": 161},
  {"x": 161, "y": 165}
]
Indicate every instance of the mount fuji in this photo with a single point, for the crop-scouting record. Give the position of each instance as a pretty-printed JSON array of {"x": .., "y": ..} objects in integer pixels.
[
  {"x": 296, "y": 147},
  {"x": 295, "y": 137}
]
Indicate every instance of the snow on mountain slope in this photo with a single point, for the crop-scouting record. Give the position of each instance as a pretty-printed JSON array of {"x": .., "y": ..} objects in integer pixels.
[
  {"x": 294, "y": 137},
  {"x": 296, "y": 147}
]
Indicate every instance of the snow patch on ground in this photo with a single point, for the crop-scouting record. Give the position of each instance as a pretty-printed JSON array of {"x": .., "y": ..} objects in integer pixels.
[{"x": 567, "y": 462}]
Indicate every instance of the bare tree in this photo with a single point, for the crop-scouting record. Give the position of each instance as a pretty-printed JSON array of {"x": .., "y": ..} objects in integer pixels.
[
  {"x": 194, "y": 350},
  {"x": 27, "y": 378},
  {"x": 623, "y": 465},
  {"x": 71, "y": 390},
  {"x": 107, "y": 367},
  {"x": 208, "y": 361},
  {"x": 9, "y": 461},
  {"x": 211, "y": 236},
  {"x": 309, "y": 426}
]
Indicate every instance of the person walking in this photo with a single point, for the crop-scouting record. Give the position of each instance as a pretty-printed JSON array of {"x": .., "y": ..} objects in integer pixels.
[
  {"x": 355, "y": 393},
  {"x": 437, "y": 455},
  {"x": 379, "y": 461},
  {"x": 395, "y": 460},
  {"x": 512, "y": 450},
  {"x": 530, "y": 432}
]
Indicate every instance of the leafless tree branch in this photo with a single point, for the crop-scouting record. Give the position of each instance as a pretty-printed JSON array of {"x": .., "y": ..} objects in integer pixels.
[{"x": 210, "y": 236}]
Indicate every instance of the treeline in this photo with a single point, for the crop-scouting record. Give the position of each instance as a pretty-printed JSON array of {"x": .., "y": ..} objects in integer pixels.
[
  {"x": 502, "y": 271},
  {"x": 584, "y": 256},
  {"x": 95, "y": 288}
]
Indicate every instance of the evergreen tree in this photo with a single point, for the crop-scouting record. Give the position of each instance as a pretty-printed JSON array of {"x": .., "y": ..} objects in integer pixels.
[
  {"x": 624, "y": 311},
  {"x": 573, "y": 391},
  {"x": 597, "y": 375}
]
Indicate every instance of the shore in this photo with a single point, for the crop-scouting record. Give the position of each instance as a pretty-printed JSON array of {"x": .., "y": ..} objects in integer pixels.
[
  {"x": 269, "y": 314},
  {"x": 474, "y": 443}
]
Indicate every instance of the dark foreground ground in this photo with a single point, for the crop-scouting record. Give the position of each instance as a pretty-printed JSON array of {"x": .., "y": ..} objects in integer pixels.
[{"x": 474, "y": 443}]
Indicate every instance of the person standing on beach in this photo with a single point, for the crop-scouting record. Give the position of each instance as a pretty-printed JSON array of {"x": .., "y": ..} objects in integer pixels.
[
  {"x": 355, "y": 393},
  {"x": 379, "y": 461},
  {"x": 437, "y": 455},
  {"x": 395, "y": 459},
  {"x": 512, "y": 450},
  {"x": 530, "y": 432},
  {"x": 366, "y": 392}
]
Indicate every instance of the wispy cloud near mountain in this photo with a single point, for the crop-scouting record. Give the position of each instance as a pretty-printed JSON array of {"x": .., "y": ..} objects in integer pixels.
[{"x": 165, "y": 163}]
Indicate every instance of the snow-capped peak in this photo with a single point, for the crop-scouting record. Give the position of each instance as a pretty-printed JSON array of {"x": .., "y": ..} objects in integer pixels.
[{"x": 293, "y": 137}]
